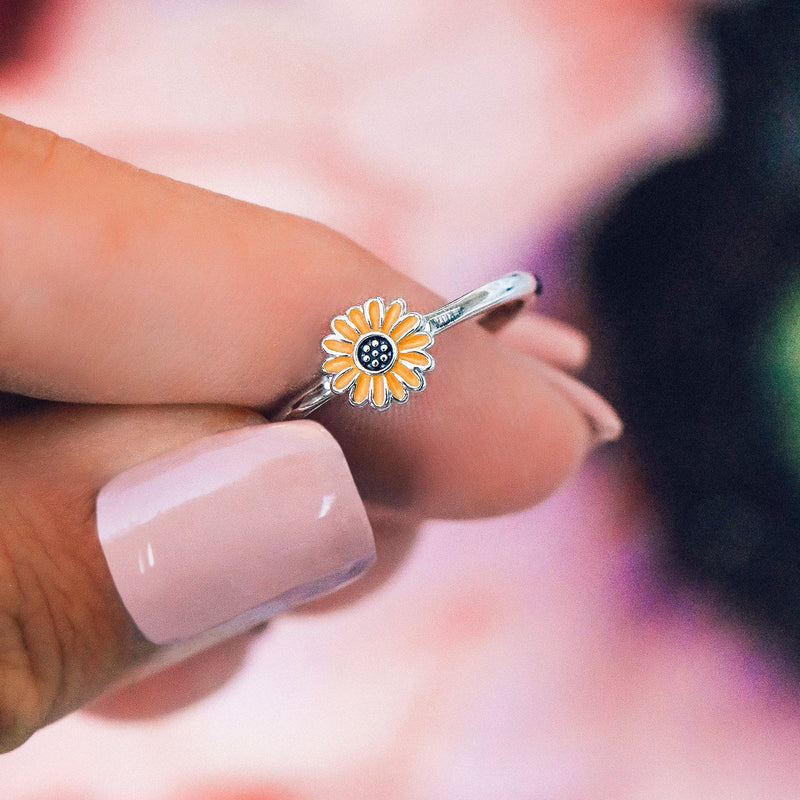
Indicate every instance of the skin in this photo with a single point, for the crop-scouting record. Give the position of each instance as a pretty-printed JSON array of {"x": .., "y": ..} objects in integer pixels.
[{"x": 146, "y": 313}]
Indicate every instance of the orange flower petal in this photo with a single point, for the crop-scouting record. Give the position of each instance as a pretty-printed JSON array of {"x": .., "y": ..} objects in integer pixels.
[
  {"x": 395, "y": 386},
  {"x": 416, "y": 358},
  {"x": 344, "y": 379},
  {"x": 334, "y": 345},
  {"x": 345, "y": 330},
  {"x": 374, "y": 314},
  {"x": 392, "y": 315},
  {"x": 378, "y": 390},
  {"x": 337, "y": 364},
  {"x": 406, "y": 324},
  {"x": 408, "y": 376},
  {"x": 362, "y": 387},
  {"x": 356, "y": 316},
  {"x": 414, "y": 341}
]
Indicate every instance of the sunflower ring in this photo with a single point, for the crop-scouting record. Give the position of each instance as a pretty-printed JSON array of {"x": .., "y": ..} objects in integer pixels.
[{"x": 377, "y": 352}]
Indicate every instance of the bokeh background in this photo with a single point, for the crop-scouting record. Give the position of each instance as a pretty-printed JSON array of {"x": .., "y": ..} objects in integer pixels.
[{"x": 637, "y": 635}]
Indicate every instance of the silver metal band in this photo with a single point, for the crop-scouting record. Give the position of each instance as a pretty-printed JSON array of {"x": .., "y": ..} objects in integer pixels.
[{"x": 511, "y": 288}]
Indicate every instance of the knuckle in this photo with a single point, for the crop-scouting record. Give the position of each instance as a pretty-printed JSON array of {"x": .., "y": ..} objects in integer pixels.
[
  {"x": 30, "y": 655},
  {"x": 53, "y": 623},
  {"x": 20, "y": 696}
]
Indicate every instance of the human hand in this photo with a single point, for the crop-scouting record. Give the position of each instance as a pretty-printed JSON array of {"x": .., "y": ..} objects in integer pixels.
[{"x": 156, "y": 314}]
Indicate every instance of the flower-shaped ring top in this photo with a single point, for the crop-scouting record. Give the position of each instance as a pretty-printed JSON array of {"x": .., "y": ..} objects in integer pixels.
[{"x": 378, "y": 352}]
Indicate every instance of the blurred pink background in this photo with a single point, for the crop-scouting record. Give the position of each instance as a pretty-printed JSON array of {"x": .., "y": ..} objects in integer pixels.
[{"x": 534, "y": 656}]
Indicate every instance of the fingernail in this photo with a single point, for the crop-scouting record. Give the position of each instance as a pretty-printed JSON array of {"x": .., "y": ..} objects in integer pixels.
[
  {"x": 547, "y": 339},
  {"x": 224, "y": 533},
  {"x": 604, "y": 422}
]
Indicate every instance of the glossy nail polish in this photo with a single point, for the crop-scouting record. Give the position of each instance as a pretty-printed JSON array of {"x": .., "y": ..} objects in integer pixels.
[{"x": 224, "y": 533}]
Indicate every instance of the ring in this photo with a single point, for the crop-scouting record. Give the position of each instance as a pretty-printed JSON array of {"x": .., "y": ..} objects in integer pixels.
[{"x": 377, "y": 352}]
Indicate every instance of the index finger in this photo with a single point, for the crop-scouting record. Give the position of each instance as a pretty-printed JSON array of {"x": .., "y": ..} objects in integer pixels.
[{"x": 119, "y": 285}]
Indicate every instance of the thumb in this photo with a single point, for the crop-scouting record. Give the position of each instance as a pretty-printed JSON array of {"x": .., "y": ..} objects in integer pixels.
[{"x": 135, "y": 536}]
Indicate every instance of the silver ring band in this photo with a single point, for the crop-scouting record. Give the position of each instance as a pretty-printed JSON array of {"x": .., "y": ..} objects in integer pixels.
[{"x": 377, "y": 352}]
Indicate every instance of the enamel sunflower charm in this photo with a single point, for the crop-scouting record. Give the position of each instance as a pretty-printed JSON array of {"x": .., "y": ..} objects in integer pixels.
[{"x": 378, "y": 353}]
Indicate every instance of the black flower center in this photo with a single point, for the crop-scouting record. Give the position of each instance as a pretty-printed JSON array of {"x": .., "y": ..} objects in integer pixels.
[{"x": 375, "y": 353}]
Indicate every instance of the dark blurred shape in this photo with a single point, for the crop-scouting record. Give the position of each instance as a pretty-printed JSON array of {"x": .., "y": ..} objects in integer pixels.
[
  {"x": 691, "y": 278},
  {"x": 17, "y": 21}
]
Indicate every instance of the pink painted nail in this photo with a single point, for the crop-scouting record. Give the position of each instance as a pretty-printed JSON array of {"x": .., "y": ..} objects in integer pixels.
[
  {"x": 232, "y": 529},
  {"x": 547, "y": 339},
  {"x": 603, "y": 420}
]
